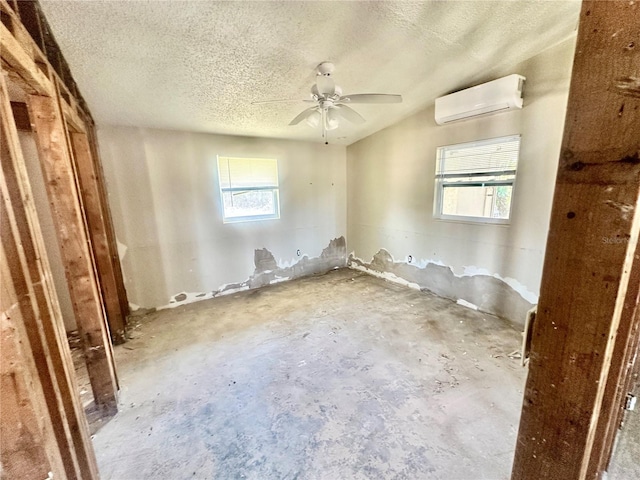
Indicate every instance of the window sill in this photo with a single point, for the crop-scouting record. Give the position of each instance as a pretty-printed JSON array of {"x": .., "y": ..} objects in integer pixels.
[{"x": 473, "y": 220}]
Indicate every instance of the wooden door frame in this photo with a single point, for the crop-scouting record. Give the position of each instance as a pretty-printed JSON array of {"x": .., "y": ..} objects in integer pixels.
[{"x": 589, "y": 293}]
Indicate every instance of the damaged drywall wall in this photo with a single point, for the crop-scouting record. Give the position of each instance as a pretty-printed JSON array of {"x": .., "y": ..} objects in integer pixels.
[
  {"x": 391, "y": 195},
  {"x": 164, "y": 195},
  {"x": 486, "y": 292},
  {"x": 267, "y": 272}
]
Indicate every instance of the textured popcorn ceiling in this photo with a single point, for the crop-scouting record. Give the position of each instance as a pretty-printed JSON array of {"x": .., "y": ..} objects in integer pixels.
[{"x": 198, "y": 65}]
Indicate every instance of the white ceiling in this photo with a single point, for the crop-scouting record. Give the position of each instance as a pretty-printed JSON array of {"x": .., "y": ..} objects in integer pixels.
[{"x": 198, "y": 65}]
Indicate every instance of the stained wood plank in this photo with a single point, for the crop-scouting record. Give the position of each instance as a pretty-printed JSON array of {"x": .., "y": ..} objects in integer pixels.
[
  {"x": 88, "y": 179},
  {"x": 62, "y": 190},
  {"x": 590, "y": 250}
]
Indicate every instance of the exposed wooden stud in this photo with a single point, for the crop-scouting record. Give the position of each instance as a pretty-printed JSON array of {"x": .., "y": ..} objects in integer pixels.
[
  {"x": 22, "y": 64},
  {"x": 50, "y": 349},
  {"x": 56, "y": 163},
  {"x": 106, "y": 212},
  {"x": 617, "y": 384},
  {"x": 22, "y": 400},
  {"x": 72, "y": 118},
  {"x": 88, "y": 180},
  {"x": 593, "y": 236},
  {"x": 33, "y": 306}
]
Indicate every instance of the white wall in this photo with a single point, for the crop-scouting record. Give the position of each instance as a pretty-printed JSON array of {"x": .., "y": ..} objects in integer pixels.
[
  {"x": 391, "y": 185},
  {"x": 165, "y": 202}
]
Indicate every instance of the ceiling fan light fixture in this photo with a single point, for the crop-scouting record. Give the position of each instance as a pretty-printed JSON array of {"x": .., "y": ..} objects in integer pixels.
[
  {"x": 331, "y": 105},
  {"x": 332, "y": 119},
  {"x": 313, "y": 120}
]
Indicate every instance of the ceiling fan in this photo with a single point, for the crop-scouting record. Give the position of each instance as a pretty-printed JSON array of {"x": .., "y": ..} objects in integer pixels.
[{"x": 331, "y": 107}]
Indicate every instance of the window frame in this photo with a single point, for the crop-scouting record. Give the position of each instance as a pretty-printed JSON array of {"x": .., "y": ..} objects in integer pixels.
[
  {"x": 439, "y": 184},
  {"x": 275, "y": 190}
]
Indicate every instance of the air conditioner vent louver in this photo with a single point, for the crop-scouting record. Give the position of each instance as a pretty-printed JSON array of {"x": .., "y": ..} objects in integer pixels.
[{"x": 488, "y": 98}]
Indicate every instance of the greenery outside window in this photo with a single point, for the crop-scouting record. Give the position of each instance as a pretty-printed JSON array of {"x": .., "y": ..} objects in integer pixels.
[
  {"x": 248, "y": 188},
  {"x": 475, "y": 180}
]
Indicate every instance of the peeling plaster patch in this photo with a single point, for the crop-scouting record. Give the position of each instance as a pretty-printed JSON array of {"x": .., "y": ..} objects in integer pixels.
[
  {"x": 122, "y": 249},
  {"x": 280, "y": 280},
  {"x": 133, "y": 307},
  {"x": 489, "y": 293},
  {"x": 422, "y": 263},
  {"x": 268, "y": 272},
  {"x": 264, "y": 260},
  {"x": 333, "y": 256},
  {"x": 386, "y": 276},
  {"x": 527, "y": 294}
]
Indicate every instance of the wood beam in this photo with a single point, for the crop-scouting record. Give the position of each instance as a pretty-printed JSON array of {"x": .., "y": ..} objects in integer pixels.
[
  {"x": 72, "y": 118},
  {"x": 39, "y": 313},
  {"x": 60, "y": 179},
  {"x": 592, "y": 240},
  {"x": 23, "y": 65},
  {"x": 28, "y": 448},
  {"x": 106, "y": 212},
  {"x": 618, "y": 383},
  {"x": 88, "y": 179}
]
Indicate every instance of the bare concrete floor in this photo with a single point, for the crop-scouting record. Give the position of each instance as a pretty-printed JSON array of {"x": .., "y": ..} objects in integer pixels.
[
  {"x": 341, "y": 376},
  {"x": 625, "y": 462}
]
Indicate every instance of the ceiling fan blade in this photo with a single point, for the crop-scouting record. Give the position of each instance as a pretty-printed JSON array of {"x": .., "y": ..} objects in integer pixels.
[
  {"x": 350, "y": 114},
  {"x": 371, "y": 98},
  {"x": 326, "y": 85},
  {"x": 303, "y": 115}
]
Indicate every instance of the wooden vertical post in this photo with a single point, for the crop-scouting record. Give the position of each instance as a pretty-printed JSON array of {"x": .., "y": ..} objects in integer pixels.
[
  {"x": 29, "y": 448},
  {"x": 592, "y": 240},
  {"x": 34, "y": 319},
  {"x": 111, "y": 236},
  {"x": 88, "y": 180},
  {"x": 60, "y": 179},
  {"x": 618, "y": 384}
]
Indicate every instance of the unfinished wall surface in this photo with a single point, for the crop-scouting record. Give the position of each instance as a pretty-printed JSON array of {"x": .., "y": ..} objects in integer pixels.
[
  {"x": 41, "y": 200},
  {"x": 165, "y": 200},
  {"x": 391, "y": 197}
]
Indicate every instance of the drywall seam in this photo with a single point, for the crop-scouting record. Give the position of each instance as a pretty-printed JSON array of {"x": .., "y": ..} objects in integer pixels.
[
  {"x": 268, "y": 271},
  {"x": 475, "y": 287}
]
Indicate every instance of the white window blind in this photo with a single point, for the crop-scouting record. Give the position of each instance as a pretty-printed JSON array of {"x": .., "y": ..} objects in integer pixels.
[
  {"x": 474, "y": 180},
  {"x": 492, "y": 156},
  {"x": 248, "y": 188},
  {"x": 247, "y": 172}
]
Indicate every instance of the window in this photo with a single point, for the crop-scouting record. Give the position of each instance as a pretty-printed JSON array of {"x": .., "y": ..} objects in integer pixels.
[
  {"x": 249, "y": 188},
  {"x": 474, "y": 181}
]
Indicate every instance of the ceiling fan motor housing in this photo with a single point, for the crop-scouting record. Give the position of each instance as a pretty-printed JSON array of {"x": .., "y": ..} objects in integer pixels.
[{"x": 326, "y": 69}]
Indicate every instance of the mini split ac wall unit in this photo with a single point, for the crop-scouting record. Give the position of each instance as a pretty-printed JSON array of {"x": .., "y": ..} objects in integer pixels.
[{"x": 488, "y": 98}]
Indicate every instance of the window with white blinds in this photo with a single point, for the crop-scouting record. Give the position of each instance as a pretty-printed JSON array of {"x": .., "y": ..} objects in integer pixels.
[
  {"x": 249, "y": 188},
  {"x": 475, "y": 180}
]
